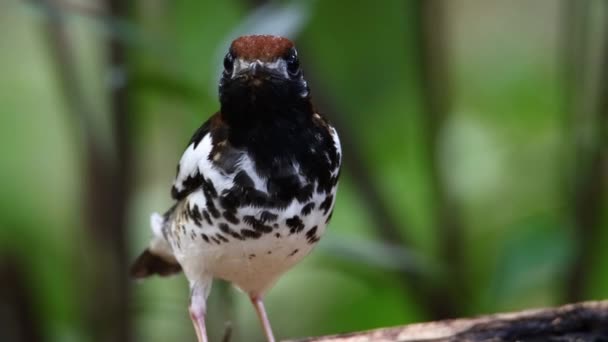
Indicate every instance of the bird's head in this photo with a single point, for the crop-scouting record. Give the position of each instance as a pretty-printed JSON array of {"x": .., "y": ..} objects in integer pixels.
[{"x": 262, "y": 71}]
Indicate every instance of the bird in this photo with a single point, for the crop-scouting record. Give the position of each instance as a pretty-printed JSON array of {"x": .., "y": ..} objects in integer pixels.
[{"x": 255, "y": 187}]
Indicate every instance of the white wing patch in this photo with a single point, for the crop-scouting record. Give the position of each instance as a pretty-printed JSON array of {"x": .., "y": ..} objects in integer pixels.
[
  {"x": 189, "y": 164},
  {"x": 196, "y": 160}
]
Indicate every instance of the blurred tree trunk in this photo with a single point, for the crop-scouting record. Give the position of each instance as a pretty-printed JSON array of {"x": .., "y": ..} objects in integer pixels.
[
  {"x": 107, "y": 164},
  {"x": 433, "y": 53},
  {"x": 587, "y": 115},
  {"x": 19, "y": 312}
]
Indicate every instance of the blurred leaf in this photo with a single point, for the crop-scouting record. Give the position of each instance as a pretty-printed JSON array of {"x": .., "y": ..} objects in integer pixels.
[
  {"x": 166, "y": 84},
  {"x": 534, "y": 256},
  {"x": 374, "y": 254},
  {"x": 471, "y": 158}
]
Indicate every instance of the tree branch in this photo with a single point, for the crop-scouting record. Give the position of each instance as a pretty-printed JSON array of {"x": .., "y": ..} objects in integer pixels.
[{"x": 575, "y": 322}]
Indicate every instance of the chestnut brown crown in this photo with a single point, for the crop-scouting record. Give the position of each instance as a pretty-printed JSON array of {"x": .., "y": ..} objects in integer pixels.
[{"x": 265, "y": 48}]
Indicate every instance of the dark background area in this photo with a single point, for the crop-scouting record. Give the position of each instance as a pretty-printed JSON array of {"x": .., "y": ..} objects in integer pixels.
[{"x": 475, "y": 173}]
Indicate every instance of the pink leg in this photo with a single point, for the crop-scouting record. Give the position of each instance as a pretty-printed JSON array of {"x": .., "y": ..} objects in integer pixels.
[
  {"x": 258, "y": 303},
  {"x": 197, "y": 314}
]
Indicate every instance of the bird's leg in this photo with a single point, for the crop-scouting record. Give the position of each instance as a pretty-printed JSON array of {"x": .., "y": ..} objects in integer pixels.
[
  {"x": 198, "y": 319},
  {"x": 258, "y": 303},
  {"x": 198, "y": 310}
]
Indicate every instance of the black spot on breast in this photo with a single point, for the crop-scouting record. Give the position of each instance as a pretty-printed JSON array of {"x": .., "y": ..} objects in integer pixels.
[
  {"x": 236, "y": 235},
  {"x": 209, "y": 188},
  {"x": 283, "y": 188},
  {"x": 230, "y": 199},
  {"x": 215, "y": 240},
  {"x": 277, "y": 235},
  {"x": 224, "y": 227},
  {"x": 307, "y": 209},
  {"x": 267, "y": 216},
  {"x": 211, "y": 206},
  {"x": 221, "y": 237},
  {"x": 243, "y": 180},
  {"x": 207, "y": 217},
  {"x": 295, "y": 224},
  {"x": 311, "y": 235},
  {"x": 258, "y": 198},
  {"x": 213, "y": 210},
  {"x": 324, "y": 182},
  {"x": 269, "y": 252},
  {"x": 311, "y": 232},
  {"x": 305, "y": 193},
  {"x": 326, "y": 205},
  {"x": 231, "y": 217},
  {"x": 251, "y": 256},
  {"x": 294, "y": 252},
  {"x": 250, "y": 220},
  {"x": 191, "y": 183},
  {"x": 250, "y": 234},
  {"x": 205, "y": 237},
  {"x": 195, "y": 214},
  {"x": 262, "y": 228},
  {"x": 257, "y": 224}
]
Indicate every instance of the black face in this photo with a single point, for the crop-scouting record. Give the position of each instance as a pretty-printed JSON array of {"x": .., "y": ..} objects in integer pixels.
[{"x": 249, "y": 86}]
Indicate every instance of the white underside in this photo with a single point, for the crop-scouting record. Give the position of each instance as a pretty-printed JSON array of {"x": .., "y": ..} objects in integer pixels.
[{"x": 235, "y": 261}]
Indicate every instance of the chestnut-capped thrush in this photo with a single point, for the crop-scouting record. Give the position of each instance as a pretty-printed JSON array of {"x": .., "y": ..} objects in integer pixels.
[{"x": 256, "y": 185}]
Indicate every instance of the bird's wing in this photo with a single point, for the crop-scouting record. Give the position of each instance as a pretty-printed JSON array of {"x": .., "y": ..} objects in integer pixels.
[{"x": 189, "y": 176}]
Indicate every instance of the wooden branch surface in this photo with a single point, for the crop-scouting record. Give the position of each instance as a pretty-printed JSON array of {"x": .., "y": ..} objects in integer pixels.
[{"x": 587, "y": 321}]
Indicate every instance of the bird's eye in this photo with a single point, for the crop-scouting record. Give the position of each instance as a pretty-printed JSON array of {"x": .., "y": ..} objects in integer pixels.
[
  {"x": 228, "y": 63},
  {"x": 293, "y": 64}
]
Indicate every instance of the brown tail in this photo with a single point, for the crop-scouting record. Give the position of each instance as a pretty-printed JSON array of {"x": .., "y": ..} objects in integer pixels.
[{"x": 148, "y": 264}]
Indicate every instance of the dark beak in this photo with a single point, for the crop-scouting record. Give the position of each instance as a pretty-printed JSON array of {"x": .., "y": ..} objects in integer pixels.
[{"x": 256, "y": 72}]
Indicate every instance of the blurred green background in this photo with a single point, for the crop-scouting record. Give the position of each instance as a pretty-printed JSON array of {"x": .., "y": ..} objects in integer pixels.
[{"x": 475, "y": 174}]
